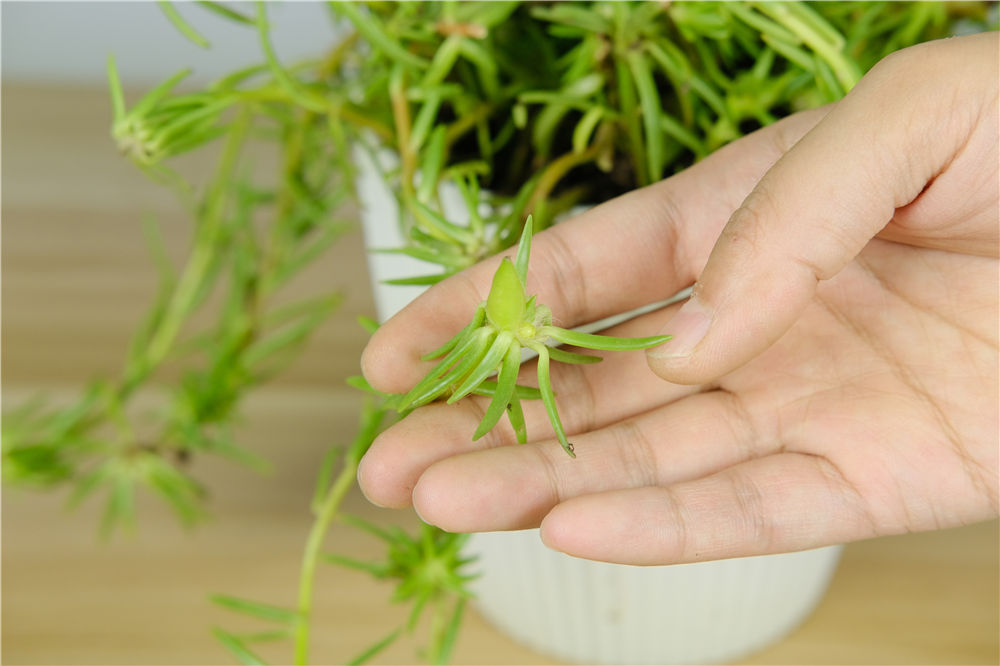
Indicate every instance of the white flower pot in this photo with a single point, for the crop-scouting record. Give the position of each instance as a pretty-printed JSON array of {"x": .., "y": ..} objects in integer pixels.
[
  {"x": 593, "y": 612},
  {"x": 598, "y": 613}
]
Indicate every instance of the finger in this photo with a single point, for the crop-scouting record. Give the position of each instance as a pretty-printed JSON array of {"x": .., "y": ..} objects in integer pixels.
[
  {"x": 637, "y": 249},
  {"x": 589, "y": 397},
  {"x": 816, "y": 208},
  {"x": 957, "y": 211},
  {"x": 780, "y": 503},
  {"x": 515, "y": 487}
]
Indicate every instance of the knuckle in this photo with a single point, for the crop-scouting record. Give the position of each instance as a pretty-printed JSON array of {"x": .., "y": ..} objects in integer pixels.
[
  {"x": 743, "y": 234},
  {"x": 636, "y": 453},
  {"x": 670, "y": 216},
  {"x": 752, "y": 514}
]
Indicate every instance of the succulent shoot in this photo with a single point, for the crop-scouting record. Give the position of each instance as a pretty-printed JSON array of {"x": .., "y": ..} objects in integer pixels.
[{"x": 491, "y": 345}]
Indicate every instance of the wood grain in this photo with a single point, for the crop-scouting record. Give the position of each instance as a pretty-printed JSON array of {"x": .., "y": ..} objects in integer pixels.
[{"x": 75, "y": 281}]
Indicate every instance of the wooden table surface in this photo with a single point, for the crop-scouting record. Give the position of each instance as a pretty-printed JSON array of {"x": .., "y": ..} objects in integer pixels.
[{"x": 76, "y": 279}]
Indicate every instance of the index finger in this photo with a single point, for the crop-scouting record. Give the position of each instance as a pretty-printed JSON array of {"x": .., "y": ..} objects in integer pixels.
[{"x": 636, "y": 249}]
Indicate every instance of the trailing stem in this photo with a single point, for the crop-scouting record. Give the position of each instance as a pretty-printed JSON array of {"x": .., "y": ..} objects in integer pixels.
[
  {"x": 197, "y": 269},
  {"x": 310, "y": 557}
]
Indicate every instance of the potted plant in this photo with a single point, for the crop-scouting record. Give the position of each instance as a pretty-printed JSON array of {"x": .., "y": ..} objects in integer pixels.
[{"x": 465, "y": 119}]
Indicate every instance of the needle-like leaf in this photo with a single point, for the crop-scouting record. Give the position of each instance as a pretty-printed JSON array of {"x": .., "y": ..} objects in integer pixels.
[
  {"x": 376, "y": 569},
  {"x": 117, "y": 95},
  {"x": 226, "y": 12},
  {"x": 464, "y": 357},
  {"x": 506, "y": 382},
  {"x": 439, "y": 226},
  {"x": 450, "y": 634},
  {"x": 154, "y": 96},
  {"x": 255, "y": 609},
  {"x": 488, "y": 388},
  {"x": 418, "y": 280},
  {"x": 516, "y": 415},
  {"x": 486, "y": 366},
  {"x": 524, "y": 252},
  {"x": 182, "y": 25},
  {"x": 564, "y": 356},
  {"x": 603, "y": 342},
  {"x": 549, "y": 398},
  {"x": 649, "y": 101},
  {"x": 366, "y": 655},
  {"x": 376, "y": 34},
  {"x": 477, "y": 321},
  {"x": 238, "y": 648}
]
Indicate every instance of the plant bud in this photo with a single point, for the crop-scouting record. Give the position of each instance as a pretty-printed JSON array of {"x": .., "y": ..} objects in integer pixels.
[{"x": 505, "y": 304}]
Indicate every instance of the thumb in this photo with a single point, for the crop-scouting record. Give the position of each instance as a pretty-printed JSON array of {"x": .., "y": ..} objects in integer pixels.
[{"x": 817, "y": 207}]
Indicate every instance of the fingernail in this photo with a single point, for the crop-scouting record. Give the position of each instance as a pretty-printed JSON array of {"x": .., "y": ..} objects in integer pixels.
[{"x": 688, "y": 327}]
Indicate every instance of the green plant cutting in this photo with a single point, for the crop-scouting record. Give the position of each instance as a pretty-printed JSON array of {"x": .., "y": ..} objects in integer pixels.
[
  {"x": 492, "y": 342},
  {"x": 527, "y": 110}
]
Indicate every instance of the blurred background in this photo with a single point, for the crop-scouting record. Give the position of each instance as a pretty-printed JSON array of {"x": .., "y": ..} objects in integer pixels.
[
  {"x": 77, "y": 278},
  {"x": 67, "y": 43}
]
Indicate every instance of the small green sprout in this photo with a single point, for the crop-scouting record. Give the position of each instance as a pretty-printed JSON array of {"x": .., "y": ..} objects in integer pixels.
[
  {"x": 507, "y": 322},
  {"x": 161, "y": 124}
]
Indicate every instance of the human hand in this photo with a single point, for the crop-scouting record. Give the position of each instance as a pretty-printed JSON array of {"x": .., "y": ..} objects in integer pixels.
[{"x": 833, "y": 378}]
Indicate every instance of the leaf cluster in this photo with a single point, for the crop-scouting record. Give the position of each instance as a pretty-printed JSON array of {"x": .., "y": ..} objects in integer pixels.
[
  {"x": 549, "y": 105},
  {"x": 251, "y": 236},
  {"x": 428, "y": 569},
  {"x": 507, "y": 322},
  {"x": 430, "y": 574}
]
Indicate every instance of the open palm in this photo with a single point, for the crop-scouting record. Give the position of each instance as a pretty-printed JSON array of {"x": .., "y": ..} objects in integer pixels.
[{"x": 874, "y": 411}]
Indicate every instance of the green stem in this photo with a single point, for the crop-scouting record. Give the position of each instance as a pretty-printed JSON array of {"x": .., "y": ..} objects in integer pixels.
[
  {"x": 555, "y": 172},
  {"x": 343, "y": 109},
  {"x": 190, "y": 284},
  {"x": 466, "y": 122},
  {"x": 401, "y": 118},
  {"x": 630, "y": 114},
  {"x": 327, "y": 512},
  {"x": 818, "y": 35},
  {"x": 294, "y": 147}
]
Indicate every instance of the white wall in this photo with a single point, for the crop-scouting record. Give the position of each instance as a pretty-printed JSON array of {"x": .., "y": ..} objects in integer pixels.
[{"x": 69, "y": 42}]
